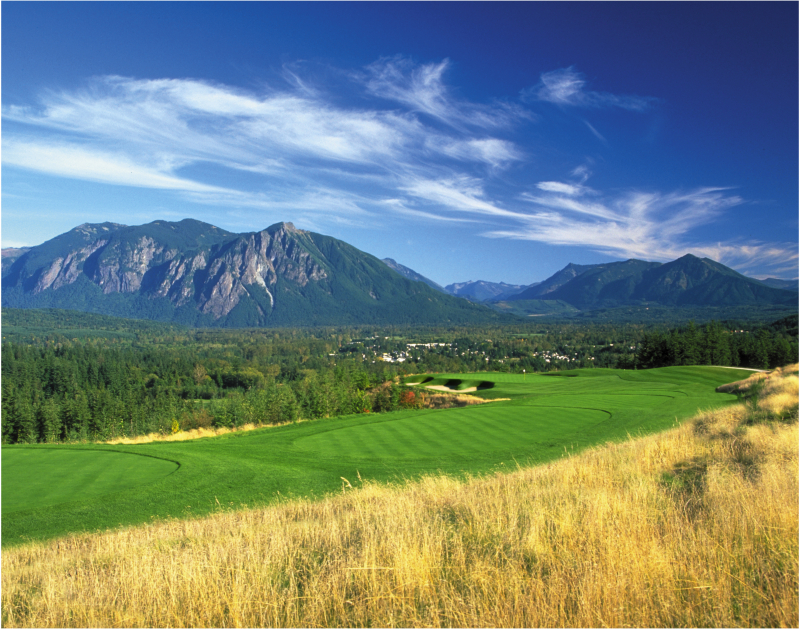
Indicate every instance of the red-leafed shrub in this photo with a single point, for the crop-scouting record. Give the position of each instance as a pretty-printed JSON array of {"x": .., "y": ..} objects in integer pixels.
[{"x": 408, "y": 399}]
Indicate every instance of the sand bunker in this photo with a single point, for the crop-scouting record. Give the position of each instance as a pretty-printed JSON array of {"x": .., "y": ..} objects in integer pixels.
[{"x": 439, "y": 387}]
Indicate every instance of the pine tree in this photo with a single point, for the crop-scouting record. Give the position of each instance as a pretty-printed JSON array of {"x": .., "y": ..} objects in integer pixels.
[
  {"x": 24, "y": 420},
  {"x": 49, "y": 419}
]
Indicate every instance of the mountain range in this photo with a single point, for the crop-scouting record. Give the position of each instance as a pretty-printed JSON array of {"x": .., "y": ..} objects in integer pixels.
[
  {"x": 197, "y": 274},
  {"x": 687, "y": 281},
  {"x": 477, "y": 291}
]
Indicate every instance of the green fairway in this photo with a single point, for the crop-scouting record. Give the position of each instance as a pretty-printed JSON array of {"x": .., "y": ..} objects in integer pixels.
[
  {"x": 52, "y": 490},
  {"x": 494, "y": 432},
  {"x": 38, "y": 477}
]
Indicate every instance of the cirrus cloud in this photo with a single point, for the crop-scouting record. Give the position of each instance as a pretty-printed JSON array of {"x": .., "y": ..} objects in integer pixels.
[
  {"x": 567, "y": 86},
  {"x": 404, "y": 146}
]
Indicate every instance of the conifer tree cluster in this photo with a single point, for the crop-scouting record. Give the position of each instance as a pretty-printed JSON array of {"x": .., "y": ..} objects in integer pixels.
[{"x": 713, "y": 344}]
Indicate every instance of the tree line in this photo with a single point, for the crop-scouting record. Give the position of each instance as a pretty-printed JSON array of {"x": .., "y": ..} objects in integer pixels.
[
  {"x": 713, "y": 344},
  {"x": 77, "y": 393},
  {"x": 115, "y": 381}
]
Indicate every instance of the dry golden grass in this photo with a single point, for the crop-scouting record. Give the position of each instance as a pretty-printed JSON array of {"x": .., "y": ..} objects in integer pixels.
[
  {"x": 745, "y": 386},
  {"x": 185, "y": 435},
  {"x": 697, "y": 526}
]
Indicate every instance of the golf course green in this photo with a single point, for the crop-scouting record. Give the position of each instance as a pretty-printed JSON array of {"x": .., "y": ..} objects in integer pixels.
[{"x": 48, "y": 491}]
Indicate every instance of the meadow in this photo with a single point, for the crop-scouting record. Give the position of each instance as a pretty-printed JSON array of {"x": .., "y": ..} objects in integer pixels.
[
  {"x": 52, "y": 490},
  {"x": 692, "y": 526}
]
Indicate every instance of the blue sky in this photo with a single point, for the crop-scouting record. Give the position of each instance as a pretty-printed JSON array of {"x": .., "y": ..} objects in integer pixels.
[{"x": 494, "y": 141}]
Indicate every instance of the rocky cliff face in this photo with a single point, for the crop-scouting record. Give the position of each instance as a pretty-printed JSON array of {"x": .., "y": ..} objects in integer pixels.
[
  {"x": 214, "y": 277},
  {"x": 65, "y": 270},
  {"x": 257, "y": 259}
]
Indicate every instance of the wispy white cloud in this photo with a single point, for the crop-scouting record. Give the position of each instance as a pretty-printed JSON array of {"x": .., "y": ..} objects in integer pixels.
[
  {"x": 570, "y": 189},
  {"x": 634, "y": 224},
  {"x": 422, "y": 89},
  {"x": 300, "y": 147},
  {"x": 427, "y": 155},
  {"x": 456, "y": 195},
  {"x": 496, "y": 153},
  {"x": 595, "y": 132},
  {"x": 567, "y": 86},
  {"x": 649, "y": 226},
  {"x": 400, "y": 206},
  {"x": 75, "y": 161},
  {"x": 194, "y": 120},
  {"x": 582, "y": 172}
]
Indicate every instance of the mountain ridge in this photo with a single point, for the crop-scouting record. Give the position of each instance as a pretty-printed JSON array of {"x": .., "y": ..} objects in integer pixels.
[
  {"x": 195, "y": 273},
  {"x": 411, "y": 274},
  {"x": 687, "y": 281}
]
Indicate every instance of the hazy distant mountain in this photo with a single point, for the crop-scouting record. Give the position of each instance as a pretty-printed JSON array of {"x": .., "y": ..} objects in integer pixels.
[
  {"x": 484, "y": 291},
  {"x": 411, "y": 274},
  {"x": 687, "y": 281},
  {"x": 774, "y": 282},
  {"x": 194, "y": 273},
  {"x": 554, "y": 282},
  {"x": 9, "y": 254}
]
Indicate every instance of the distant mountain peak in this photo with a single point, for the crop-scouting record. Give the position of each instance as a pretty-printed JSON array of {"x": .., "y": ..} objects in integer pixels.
[
  {"x": 411, "y": 274},
  {"x": 285, "y": 226},
  {"x": 686, "y": 281},
  {"x": 481, "y": 290}
]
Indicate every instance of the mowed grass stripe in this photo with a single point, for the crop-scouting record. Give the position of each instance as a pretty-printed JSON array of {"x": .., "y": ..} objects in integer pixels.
[
  {"x": 37, "y": 477},
  {"x": 456, "y": 432}
]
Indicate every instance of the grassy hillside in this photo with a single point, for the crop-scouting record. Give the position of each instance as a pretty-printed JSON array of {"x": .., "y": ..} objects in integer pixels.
[
  {"x": 696, "y": 526},
  {"x": 543, "y": 417}
]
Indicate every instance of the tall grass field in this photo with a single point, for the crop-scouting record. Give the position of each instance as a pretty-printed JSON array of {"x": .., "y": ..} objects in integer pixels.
[{"x": 621, "y": 522}]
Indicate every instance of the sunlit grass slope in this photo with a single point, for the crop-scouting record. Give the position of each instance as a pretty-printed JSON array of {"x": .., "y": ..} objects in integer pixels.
[
  {"x": 695, "y": 526},
  {"x": 544, "y": 418}
]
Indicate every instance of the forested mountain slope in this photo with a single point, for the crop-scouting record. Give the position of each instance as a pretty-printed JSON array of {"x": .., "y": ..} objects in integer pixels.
[{"x": 687, "y": 281}]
